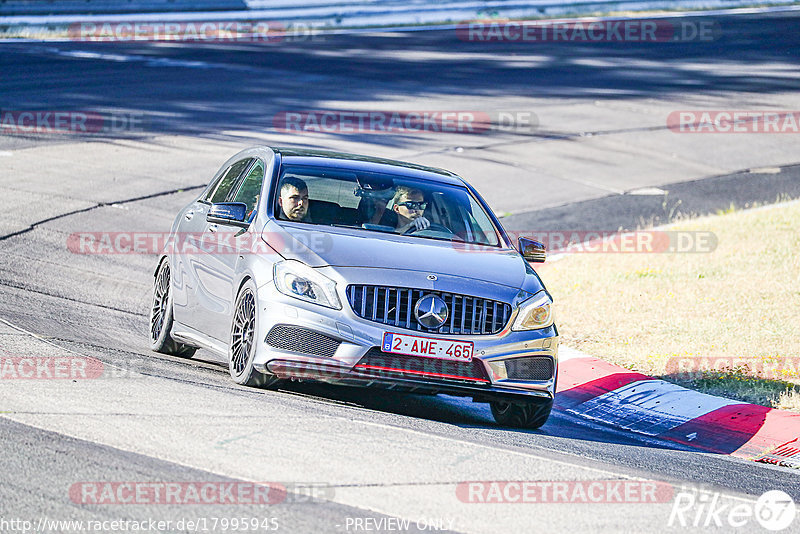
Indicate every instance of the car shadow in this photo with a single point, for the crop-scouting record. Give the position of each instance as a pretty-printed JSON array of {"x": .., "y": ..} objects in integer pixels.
[{"x": 463, "y": 413}]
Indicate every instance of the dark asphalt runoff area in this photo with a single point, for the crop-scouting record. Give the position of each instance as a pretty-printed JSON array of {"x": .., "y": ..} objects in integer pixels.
[{"x": 373, "y": 454}]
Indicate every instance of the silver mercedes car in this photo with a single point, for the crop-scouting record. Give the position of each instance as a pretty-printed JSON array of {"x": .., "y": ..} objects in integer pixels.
[{"x": 347, "y": 269}]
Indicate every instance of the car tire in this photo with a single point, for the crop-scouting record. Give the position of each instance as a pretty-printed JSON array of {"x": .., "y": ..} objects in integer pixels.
[
  {"x": 241, "y": 349},
  {"x": 161, "y": 316},
  {"x": 521, "y": 414}
]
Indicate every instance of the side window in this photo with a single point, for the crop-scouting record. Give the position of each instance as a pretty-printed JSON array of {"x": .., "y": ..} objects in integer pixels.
[
  {"x": 250, "y": 189},
  {"x": 219, "y": 191}
]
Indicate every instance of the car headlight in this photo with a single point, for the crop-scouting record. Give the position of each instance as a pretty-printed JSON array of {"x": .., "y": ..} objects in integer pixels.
[
  {"x": 534, "y": 313},
  {"x": 298, "y": 280}
]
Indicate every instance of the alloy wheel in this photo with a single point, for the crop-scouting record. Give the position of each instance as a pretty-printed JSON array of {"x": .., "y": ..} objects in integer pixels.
[{"x": 243, "y": 331}]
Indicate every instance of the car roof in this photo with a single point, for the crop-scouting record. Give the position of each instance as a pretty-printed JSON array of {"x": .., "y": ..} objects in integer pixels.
[{"x": 344, "y": 160}]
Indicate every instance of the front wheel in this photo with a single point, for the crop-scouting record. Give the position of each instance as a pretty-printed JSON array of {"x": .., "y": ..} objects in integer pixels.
[
  {"x": 521, "y": 414},
  {"x": 161, "y": 317},
  {"x": 244, "y": 329}
]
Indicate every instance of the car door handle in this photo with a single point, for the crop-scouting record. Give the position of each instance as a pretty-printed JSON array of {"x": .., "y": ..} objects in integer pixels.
[{"x": 189, "y": 215}]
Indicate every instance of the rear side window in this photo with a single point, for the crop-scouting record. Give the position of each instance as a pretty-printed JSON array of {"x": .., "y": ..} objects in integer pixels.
[{"x": 219, "y": 191}]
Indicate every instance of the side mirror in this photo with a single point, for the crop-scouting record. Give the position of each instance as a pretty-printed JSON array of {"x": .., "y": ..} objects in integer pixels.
[
  {"x": 532, "y": 250},
  {"x": 231, "y": 213}
]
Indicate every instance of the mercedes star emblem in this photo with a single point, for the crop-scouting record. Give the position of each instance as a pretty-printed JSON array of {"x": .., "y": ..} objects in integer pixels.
[{"x": 431, "y": 311}]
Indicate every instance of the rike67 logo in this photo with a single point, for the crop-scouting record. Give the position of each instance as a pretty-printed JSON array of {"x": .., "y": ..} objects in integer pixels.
[{"x": 774, "y": 510}]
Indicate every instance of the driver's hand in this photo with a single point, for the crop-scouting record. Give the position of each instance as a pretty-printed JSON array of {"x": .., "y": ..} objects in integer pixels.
[{"x": 421, "y": 223}]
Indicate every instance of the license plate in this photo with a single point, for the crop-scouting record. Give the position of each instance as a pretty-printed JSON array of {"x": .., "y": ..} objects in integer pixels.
[{"x": 428, "y": 347}]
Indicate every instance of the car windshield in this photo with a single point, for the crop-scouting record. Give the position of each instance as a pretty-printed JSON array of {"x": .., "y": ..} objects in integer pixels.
[{"x": 382, "y": 203}]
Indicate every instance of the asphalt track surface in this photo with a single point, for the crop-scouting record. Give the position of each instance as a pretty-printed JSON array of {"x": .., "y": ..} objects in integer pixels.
[{"x": 153, "y": 418}]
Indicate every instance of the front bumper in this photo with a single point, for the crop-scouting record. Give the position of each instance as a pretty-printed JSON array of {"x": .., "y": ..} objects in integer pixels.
[{"x": 357, "y": 337}]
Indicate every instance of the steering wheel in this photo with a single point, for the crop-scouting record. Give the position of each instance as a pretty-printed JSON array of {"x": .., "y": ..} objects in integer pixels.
[{"x": 433, "y": 226}]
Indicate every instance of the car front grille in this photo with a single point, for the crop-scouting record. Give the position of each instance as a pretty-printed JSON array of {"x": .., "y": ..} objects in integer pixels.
[
  {"x": 380, "y": 364},
  {"x": 298, "y": 339},
  {"x": 394, "y": 306},
  {"x": 530, "y": 368}
]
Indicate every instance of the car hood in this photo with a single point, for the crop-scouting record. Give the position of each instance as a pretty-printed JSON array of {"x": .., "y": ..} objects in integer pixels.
[{"x": 341, "y": 247}]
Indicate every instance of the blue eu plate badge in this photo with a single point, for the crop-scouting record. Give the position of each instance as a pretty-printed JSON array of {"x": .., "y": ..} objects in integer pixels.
[{"x": 387, "y": 341}]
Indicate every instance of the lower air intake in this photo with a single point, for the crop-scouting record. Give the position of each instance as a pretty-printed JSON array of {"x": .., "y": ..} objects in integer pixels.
[
  {"x": 298, "y": 339},
  {"x": 530, "y": 368}
]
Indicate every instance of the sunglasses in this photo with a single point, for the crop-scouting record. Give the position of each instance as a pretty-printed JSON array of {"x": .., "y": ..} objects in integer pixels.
[{"x": 410, "y": 204}]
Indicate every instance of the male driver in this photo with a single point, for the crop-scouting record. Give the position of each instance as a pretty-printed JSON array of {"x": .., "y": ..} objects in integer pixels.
[
  {"x": 409, "y": 205},
  {"x": 294, "y": 200}
]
